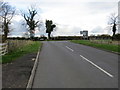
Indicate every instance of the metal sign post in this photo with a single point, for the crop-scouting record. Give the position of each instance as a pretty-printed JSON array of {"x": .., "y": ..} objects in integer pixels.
[{"x": 85, "y": 34}]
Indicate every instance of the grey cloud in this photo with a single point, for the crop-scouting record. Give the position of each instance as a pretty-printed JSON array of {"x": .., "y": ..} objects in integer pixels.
[
  {"x": 99, "y": 7},
  {"x": 18, "y": 28},
  {"x": 97, "y": 29},
  {"x": 68, "y": 31}
]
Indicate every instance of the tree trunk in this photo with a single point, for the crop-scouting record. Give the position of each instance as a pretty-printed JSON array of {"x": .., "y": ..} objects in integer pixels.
[
  {"x": 113, "y": 35},
  {"x": 5, "y": 36},
  {"x": 114, "y": 30},
  {"x": 49, "y": 35},
  {"x": 32, "y": 34},
  {"x": 6, "y": 31}
]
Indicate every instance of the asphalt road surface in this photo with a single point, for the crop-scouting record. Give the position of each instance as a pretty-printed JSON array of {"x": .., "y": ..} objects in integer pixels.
[{"x": 63, "y": 64}]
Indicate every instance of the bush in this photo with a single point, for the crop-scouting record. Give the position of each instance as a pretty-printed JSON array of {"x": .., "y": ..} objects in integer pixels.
[{"x": 116, "y": 37}]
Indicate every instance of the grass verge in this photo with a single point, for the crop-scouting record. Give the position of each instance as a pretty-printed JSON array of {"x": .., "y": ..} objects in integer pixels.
[
  {"x": 31, "y": 48},
  {"x": 109, "y": 47}
]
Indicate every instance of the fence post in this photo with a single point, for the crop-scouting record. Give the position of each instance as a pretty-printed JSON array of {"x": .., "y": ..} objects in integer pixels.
[{"x": 3, "y": 48}]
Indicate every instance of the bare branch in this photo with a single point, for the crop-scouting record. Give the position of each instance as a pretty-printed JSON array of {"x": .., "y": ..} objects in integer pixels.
[
  {"x": 11, "y": 16},
  {"x": 113, "y": 22},
  {"x": 29, "y": 18},
  {"x": 6, "y": 12}
]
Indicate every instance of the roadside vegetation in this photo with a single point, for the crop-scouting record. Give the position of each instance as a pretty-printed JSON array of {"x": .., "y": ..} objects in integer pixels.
[
  {"x": 20, "y": 48},
  {"x": 102, "y": 44}
]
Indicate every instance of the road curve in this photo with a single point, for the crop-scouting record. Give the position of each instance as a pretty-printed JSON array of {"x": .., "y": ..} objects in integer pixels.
[{"x": 63, "y": 64}]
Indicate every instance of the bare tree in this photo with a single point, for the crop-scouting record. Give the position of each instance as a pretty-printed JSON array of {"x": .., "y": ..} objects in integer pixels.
[
  {"x": 113, "y": 22},
  {"x": 29, "y": 18},
  {"x": 6, "y": 12}
]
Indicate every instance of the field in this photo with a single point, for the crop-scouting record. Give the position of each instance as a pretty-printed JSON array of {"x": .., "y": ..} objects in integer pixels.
[
  {"x": 102, "y": 44},
  {"x": 20, "y": 48},
  {"x": 109, "y": 41}
]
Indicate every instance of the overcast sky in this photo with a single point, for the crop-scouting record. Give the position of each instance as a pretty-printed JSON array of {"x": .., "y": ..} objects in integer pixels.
[{"x": 70, "y": 16}]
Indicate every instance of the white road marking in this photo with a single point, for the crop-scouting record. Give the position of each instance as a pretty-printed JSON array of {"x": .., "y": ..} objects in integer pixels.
[
  {"x": 97, "y": 66},
  {"x": 69, "y": 48}
]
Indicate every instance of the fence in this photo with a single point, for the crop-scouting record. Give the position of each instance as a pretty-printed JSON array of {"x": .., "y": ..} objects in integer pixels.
[
  {"x": 3, "y": 48},
  {"x": 106, "y": 42},
  {"x": 17, "y": 44}
]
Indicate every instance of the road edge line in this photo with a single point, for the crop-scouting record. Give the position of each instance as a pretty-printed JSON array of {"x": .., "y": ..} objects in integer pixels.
[{"x": 31, "y": 79}]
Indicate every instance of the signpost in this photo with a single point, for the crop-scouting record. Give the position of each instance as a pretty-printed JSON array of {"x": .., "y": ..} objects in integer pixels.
[
  {"x": 81, "y": 32},
  {"x": 85, "y": 34}
]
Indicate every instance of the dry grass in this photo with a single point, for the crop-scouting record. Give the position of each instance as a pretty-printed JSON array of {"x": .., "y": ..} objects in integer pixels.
[
  {"x": 26, "y": 48},
  {"x": 16, "y": 44},
  {"x": 106, "y": 42}
]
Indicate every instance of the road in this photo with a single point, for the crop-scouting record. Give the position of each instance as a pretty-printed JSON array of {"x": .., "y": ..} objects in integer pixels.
[{"x": 63, "y": 64}]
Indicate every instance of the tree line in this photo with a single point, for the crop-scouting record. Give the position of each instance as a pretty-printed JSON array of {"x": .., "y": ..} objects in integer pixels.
[{"x": 7, "y": 12}]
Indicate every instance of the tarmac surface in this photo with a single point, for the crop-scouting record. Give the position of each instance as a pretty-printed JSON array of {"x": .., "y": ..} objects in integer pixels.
[
  {"x": 63, "y": 64},
  {"x": 16, "y": 74}
]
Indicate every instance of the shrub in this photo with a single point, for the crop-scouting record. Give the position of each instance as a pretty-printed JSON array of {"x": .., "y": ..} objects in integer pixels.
[{"x": 116, "y": 37}]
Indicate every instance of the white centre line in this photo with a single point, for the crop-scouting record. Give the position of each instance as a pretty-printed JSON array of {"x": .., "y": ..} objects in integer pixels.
[
  {"x": 69, "y": 48},
  {"x": 97, "y": 66}
]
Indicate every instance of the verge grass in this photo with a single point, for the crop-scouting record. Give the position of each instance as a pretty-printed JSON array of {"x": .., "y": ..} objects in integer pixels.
[
  {"x": 109, "y": 47},
  {"x": 26, "y": 49}
]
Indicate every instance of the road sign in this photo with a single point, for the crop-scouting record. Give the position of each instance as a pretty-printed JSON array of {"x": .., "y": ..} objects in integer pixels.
[
  {"x": 81, "y": 32},
  {"x": 85, "y": 33}
]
